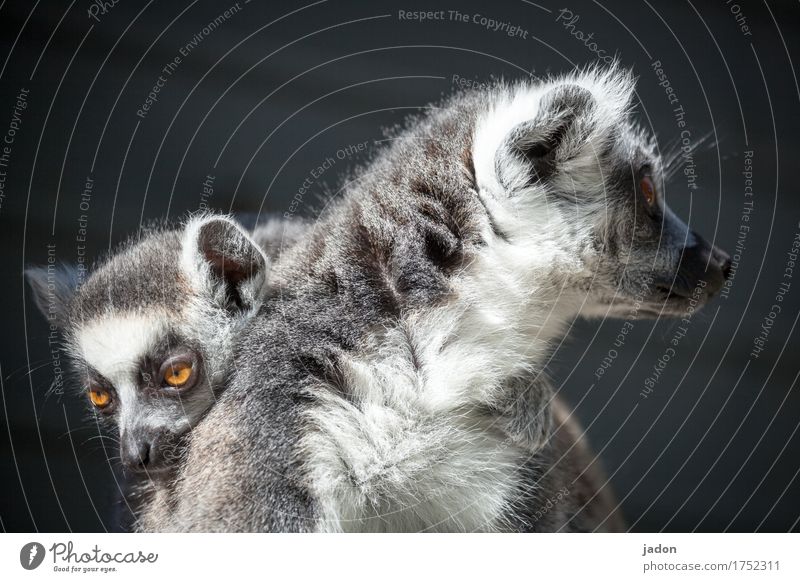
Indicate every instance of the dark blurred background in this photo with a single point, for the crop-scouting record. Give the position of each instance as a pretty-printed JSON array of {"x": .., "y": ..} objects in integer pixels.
[{"x": 264, "y": 93}]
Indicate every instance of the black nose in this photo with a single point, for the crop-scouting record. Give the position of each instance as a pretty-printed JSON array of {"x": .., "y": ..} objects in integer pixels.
[
  {"x": 723, "y": 260},
  {"x": 136, "y": 453},
  {"x": 703, "y": 269}
]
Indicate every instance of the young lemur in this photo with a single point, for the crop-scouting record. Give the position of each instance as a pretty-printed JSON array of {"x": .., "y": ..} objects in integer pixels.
[
  {"x": 390, "y": 376},
  {"x": 143, "y": 372}
]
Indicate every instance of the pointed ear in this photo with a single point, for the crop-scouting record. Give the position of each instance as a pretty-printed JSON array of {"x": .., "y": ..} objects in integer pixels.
[
  {"x": 224, "y": 262},
  {"x": 531, "y": 150},
  {"x": 53, "y": 288}
]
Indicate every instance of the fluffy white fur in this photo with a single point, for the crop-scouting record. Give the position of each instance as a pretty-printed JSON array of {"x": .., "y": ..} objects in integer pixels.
[
  {"x": 415, "y": 429},
  {"x": 113, "y": 345}
]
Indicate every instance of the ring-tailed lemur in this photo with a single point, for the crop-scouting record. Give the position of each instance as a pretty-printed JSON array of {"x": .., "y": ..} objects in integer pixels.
[
  {"x": 392, "y": 379},
  {"x": 145, "y": 370}
]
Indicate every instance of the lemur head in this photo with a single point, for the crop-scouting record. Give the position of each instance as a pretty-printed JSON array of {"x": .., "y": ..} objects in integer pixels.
[
  {"x": 150, "y": 330},
  {"x": 568, "y": 174}
]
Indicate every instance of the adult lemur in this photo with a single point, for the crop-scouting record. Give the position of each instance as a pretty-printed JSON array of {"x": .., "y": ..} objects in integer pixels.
[{"x": 387, "y": 372}]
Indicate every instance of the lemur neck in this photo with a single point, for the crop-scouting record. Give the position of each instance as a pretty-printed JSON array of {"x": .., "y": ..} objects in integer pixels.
[{"x": 507, "y": 312}]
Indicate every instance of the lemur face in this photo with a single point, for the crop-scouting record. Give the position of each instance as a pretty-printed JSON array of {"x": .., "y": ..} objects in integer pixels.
[
  {"x": 150, "y": 332},
  {"x": 148, "y": 376},
  {"x": 566, "y": 157},
  {"x": 652, "y": 263}
]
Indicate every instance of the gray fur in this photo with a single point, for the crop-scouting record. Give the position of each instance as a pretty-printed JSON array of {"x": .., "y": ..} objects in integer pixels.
[
  {"x": 396, "y": 246},
  {"x": 389, "y": 376},
  {"x": 141, "y": 286}
]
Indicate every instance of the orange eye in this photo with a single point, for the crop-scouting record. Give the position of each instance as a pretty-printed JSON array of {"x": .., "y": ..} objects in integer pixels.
[
  {"x": 648, "y": 190},
  {"x": 100, "y": 397},
  {"x": 178, "y": 374}
]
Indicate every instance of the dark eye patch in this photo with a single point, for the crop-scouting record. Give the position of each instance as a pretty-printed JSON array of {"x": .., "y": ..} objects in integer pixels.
[
  {"x": 151, "y": 362},
  {"x": 166, "y": 347}
]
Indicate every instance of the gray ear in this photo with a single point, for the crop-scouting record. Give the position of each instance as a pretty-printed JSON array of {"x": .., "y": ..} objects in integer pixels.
[
  {"x": 223, "y": 260},
  {"x": 562, "y": 123},
  {"x": 53, "y": 288}
]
